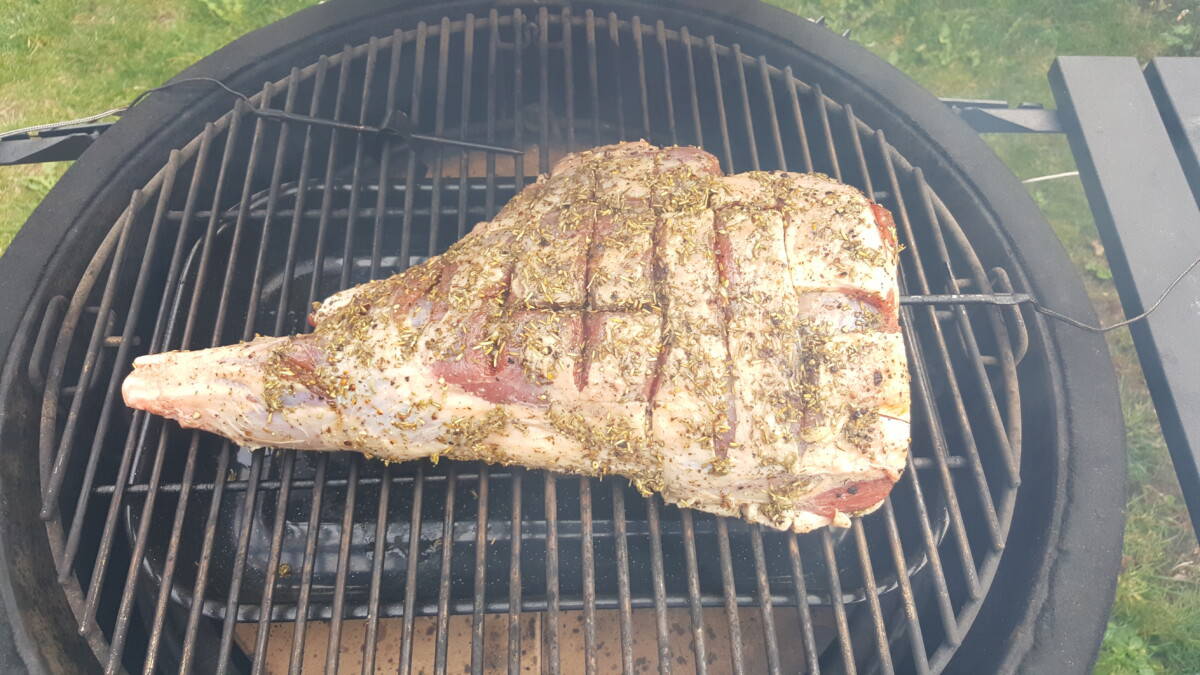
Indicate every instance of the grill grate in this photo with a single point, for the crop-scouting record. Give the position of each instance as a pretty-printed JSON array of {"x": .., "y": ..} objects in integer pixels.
[{"x": 165, "y": 550}]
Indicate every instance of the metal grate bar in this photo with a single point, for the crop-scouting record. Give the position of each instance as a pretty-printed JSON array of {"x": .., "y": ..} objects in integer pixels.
[
  {"x": 514, "y": 579},
  {"x": 239, "y": 567},
  {"x": 864, "y": 555},
  {"x": 660, "y": 591},
  {"x": 928, "y": 404},
  {"x": 587, "y": 544},
  {"x": 360, "y": 141},
  {"x": 543, "y": 23},
  {"x": 857, "y": 148},
  {"x": 251, "y": 497},
  {"x": 811, "y": 655},
  {"x": 190, "y": 634},
  {"x": 652, "y": 514},
  {"x": 410, "y": 575},
  {"x": 769, "y": 92},
  {"x": 156, "y": 473},
  {"x": 688, "y": 529},
  {"x": 50, "y": 403},
  {"x": 747, "y": 117},
  {"x": 982, "y": 490},
  {"x": 793, "y": 550},
  {"x": 588, "y": 560},
  {"x": 728, "y": 584},
  {"x": 439, "y": 117},
  {"x": 771, "y": 639},
  {"x": 926, "y": 397},
  {"x": 385, "y": 159},
  {"x": 514, "y": 562},
  {"x": 640, "y": 49},
  {"x": 481, "y": 519},
  {"x": 827, "y": 132},
  {"x": 189, "y": 470},
  {"x": 441, "y": 639},
  {"x": 693, "y": 580},
  {"x": 915, "y": 635},
  {"x": 410, "y": 174},
  {"x": 942, "y": 594},
  {"x": 406, "y": 640},
  {"x": 868, "y": 572},
  {"x": 691, "y": 71},
  {"x": 518, "y": 24},
  {"x": 272, "y": 568},
  {"x": 626, "y": 609},
  {"x": 371, "y": 639},
  {"x": 120, "y": 630},
  {"x": 720, "y": 101},
  {"x": 370, "y": 647},
  {"x": 493, "y": 46},
  {"x": 443, "y": 617},
  {"x": 729, "y": 587},
  {"x": 798, "y": 118},
  {"x": 550, "y": 625},
  {"x": 198, "y": 589},
  {"x": 87, "y": 621},
  {"x": 289, "y": 458},
  {"x": 299, "y": 628},
  {"x": 614, "y": 45},
  {"x": 50, "y": 499},
  {"x": 839, "y": 607},
  {"x": 568, "y": 56},
  {"x": 338, "y": 611},
  {"x": 333, "y": 649},
  {"x": 660, "y": 32},
  {"x": 942, "y": 219},
  {"x": 289, "y": 265},
  {"x": 314, "y": 287},
  {"x": 468, "y": 85},
  {"x": 593, "y": 75}
]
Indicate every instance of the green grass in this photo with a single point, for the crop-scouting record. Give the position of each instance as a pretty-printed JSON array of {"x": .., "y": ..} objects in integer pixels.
[
  {"x": 61, "y": 59},
  {"x": 64, "y": 58}
]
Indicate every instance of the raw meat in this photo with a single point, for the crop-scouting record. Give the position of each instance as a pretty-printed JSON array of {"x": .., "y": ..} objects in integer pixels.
[{"x": 730, "y": 342}]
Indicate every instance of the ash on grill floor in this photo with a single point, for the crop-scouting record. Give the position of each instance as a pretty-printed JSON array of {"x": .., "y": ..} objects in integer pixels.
[{"x": 534, "y": 652}]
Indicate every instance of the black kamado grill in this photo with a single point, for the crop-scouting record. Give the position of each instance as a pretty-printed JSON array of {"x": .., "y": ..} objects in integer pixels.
[{"x": 130, "y": 544}]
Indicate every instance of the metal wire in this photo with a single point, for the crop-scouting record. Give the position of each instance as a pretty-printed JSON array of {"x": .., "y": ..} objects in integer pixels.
[
  {"x": 393, "y": 122},
  {"x": 1008, "y": 299},
  {"x": 52, "y": 126},
  {"x": 1120, "y": 324}
]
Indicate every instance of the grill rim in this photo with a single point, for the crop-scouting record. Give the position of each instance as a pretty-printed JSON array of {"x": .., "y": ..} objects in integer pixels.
[{"x": 1082, "y": 358}]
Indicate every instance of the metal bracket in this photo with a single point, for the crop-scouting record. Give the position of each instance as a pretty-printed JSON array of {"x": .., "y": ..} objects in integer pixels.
[
  {"x": 57, "y": 145},
  {"x": 987, "y": 116}
]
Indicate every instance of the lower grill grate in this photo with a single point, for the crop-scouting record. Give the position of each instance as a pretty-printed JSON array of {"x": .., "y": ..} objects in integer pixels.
[{"x": 182, "y": 552}]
